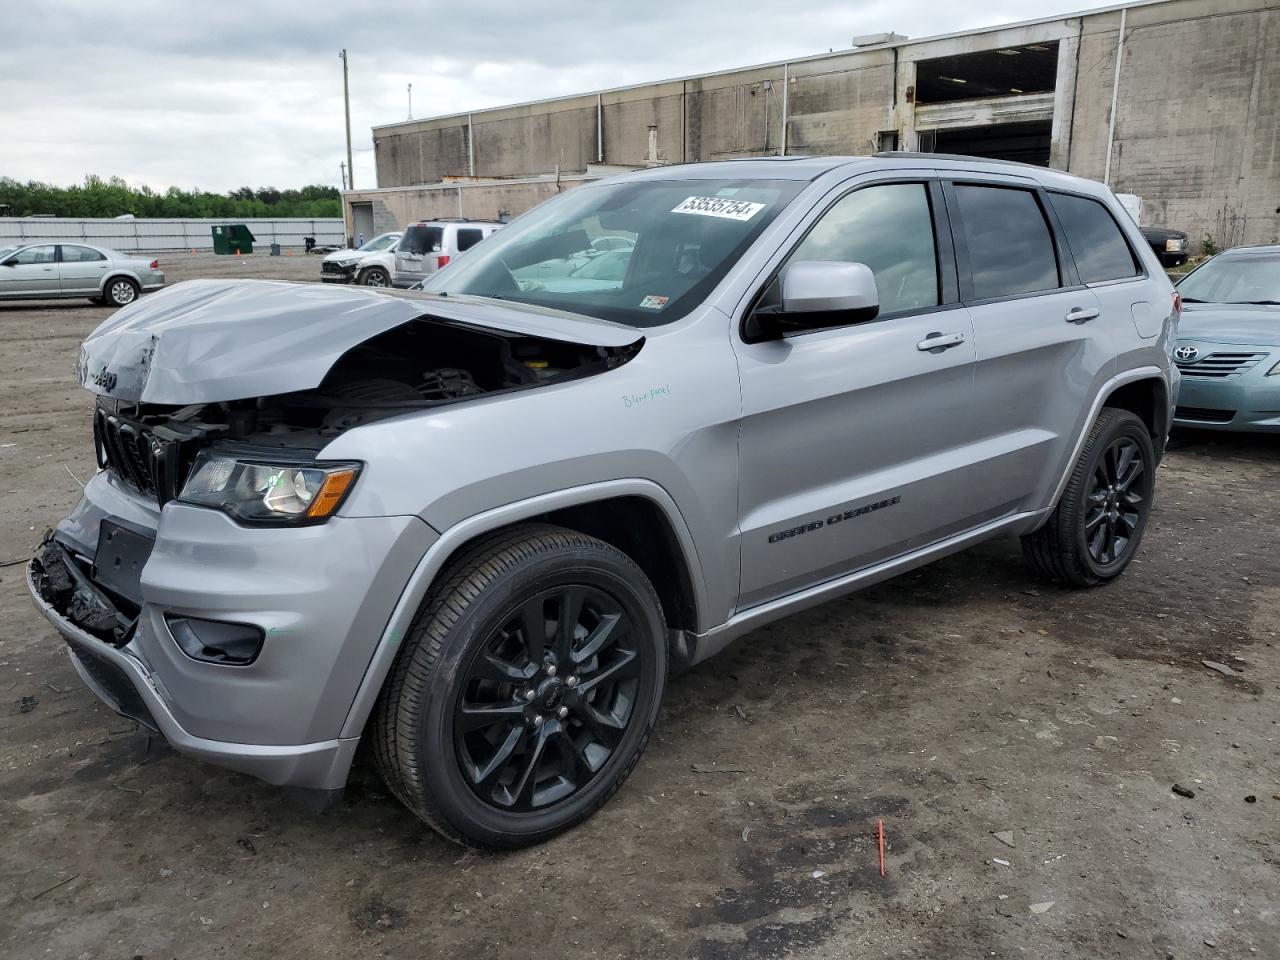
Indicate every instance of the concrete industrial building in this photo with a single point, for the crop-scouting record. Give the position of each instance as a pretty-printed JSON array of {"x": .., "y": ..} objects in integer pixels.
[{"x": 1177, "y": 101}]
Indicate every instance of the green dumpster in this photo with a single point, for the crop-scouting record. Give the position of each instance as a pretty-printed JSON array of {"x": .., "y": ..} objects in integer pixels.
[{"x": 232, "y": 238}]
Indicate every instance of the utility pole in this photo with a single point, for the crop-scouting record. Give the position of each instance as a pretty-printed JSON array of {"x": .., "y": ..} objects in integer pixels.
[
  {"x": 346, "y": 102},
  {"x": 342, "y": 167},
  {"x": 411, "y": 101}
]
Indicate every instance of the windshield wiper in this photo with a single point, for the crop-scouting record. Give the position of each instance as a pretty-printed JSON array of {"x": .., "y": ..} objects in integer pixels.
[
  {"x": 1264, "y": 303},
  {"x": 1191, "y": 300}
]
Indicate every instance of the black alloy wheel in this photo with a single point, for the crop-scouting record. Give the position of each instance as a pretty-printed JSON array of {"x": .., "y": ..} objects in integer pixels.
[
  {"x": 1096, "y": 528},
  {"x": 1114, "y": 504},
  {"x": 547, "y": 698},
  {"x": 527, "y": 689}
]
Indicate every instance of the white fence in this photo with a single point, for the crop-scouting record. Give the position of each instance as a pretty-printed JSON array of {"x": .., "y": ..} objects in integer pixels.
[{"x": 159, "y": 235}]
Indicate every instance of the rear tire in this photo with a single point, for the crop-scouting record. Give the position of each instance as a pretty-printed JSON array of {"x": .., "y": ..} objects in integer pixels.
[
  {"x": 527, "y": 688},
  {"x": 1094, "y": 532},
  {"x": 121, "y": 291},
  {"x": 374, "y": 277}
]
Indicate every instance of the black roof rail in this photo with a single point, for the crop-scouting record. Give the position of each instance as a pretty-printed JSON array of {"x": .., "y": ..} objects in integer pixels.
[{"x": 915, "y": 155}]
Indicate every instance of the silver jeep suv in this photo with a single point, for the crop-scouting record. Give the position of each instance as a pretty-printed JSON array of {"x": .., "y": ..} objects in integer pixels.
[{"x": 477, "y": 526}]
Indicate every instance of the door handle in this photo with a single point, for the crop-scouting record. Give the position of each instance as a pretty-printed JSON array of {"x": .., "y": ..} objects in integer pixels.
[
  {"x": 937, "y": 342},
  {"x": 1081, "y": 315}
]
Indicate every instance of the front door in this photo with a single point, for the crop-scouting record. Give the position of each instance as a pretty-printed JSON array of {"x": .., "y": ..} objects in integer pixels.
[
  {"x": 852, "y": 440},
  {"x": 81, "y": 269},
  {"x": 31, "y": 272}
]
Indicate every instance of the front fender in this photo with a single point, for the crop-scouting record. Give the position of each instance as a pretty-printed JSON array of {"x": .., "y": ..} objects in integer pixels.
[{"x": 451, "y": 540}]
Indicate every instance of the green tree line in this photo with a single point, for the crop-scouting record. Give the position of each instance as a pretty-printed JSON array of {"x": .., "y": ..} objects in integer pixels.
[{"x": 112, "y": 197}]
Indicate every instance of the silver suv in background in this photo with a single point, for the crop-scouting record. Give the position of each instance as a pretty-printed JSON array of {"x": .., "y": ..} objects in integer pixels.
[
  {"x": 476, "y": 527},
  {"x": 38, "y": 271},
  {"x": 431, "y": 245}
]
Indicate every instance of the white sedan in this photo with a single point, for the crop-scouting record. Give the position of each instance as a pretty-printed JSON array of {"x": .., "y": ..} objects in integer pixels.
[{"x": 39, "y": 271}]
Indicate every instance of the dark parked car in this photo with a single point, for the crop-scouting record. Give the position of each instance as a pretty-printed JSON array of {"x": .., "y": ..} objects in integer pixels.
[{"x": 1170, "y": 245}]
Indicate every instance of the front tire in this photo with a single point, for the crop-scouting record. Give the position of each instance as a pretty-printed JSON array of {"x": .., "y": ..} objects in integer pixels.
[
  {"x": 121, "y": 291},
  {"x": 1097, "y": 526},
  {"x": 374, "y": 277},
  {"x": 526, "y": 691}
]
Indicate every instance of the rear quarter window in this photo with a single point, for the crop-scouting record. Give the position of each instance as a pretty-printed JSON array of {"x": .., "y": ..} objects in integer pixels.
[{"x": 1097, "y": 245}]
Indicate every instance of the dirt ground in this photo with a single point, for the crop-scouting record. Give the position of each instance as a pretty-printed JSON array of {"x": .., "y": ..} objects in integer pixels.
[{"x": 957, "y": 702}]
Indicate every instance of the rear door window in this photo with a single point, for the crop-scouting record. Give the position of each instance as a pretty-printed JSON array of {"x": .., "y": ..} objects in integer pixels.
[
  {"x": 78, "y": 254},
  {"x": 468, "y": 237},
  {"x": 1009, "y": 245},
  {"x": 1097, "y": 245}
]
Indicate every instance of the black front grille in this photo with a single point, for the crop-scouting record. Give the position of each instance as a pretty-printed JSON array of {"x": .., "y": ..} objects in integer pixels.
[
  {"x": 1204, "y": 414},
  {"x": 115, "y": 684},
  {"x": 137, "y": 455}
]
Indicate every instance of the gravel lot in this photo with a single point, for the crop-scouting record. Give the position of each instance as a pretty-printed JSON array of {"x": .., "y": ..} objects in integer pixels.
[{"x": 963, "y": 700}]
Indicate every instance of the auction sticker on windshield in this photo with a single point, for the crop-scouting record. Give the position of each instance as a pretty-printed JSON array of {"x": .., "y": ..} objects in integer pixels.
[{"x": 721, "y": 207}]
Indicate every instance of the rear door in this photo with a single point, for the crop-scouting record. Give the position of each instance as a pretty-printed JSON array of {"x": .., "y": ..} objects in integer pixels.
[
  {"x": 1043, "y": 348},
  {"x": 852, "y": 442},
  {"x": 31, "y": 272},
  {"x": 81, "y": 269}
]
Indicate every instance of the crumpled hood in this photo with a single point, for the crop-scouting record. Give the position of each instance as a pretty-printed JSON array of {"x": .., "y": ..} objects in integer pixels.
[
  {"x": 1239, "y": 323},
  {"x": 206, "y": 341}
]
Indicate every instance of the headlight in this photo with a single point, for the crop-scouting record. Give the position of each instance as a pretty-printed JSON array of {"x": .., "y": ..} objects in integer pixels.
[
  {"x": 344, "y": 264},
  {"x": 257, "y": 491},
  {"x": 1274, "y": 371}
]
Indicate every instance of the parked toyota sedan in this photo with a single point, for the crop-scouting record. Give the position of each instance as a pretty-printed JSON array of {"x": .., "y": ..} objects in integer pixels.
[
  {"x": 40, "y": 271},
  {"x": 1229, "y": 342}
]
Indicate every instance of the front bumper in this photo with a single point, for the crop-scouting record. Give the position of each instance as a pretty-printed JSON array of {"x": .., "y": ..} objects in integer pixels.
[
  {"x": 321, "y": 595},
  {"x": 1247, "y": 403},
  {"x": 331, "y": 274}
]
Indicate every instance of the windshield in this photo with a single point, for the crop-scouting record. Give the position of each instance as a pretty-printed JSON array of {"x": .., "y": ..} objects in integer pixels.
[
  {"x": 1252, "y": 278},
  {"x": 5, "y": 251},
  {"x": 421, "y": 240},
  {"x": 642, "y": 253},
  {"x": 384, "y": 242}
]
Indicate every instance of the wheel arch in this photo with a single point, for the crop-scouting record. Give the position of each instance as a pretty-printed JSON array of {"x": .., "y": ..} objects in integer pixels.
[
  {"x": 1148, "y": 399},
  {"x": 608, "y": 510},
  {"x": 115, "y": 275},
  {"x": 1145, "y": 388}
]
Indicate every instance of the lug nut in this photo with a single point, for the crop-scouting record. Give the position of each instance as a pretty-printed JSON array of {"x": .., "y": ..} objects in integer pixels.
[
  {"x": 551, "y": 670},
  {"x": 537, "y": 721},
  {"x": 562, "y": 712},
  {"x": 571, "y": 682},
  {"x": 529, "y": 694}
]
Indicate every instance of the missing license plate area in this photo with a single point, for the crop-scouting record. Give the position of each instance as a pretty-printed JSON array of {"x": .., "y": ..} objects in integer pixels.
[{"x": 118, "y": 563}]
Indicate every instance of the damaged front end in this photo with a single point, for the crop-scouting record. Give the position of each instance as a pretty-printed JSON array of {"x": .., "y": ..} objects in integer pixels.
[{"x": 199, "y": 568}]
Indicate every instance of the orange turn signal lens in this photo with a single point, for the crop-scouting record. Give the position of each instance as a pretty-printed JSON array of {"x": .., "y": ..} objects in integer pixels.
[{"x": 332, "y": 491}]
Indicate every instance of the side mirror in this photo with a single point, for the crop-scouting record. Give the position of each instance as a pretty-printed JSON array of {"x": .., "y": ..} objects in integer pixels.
[{"x": 814, "y": 294}]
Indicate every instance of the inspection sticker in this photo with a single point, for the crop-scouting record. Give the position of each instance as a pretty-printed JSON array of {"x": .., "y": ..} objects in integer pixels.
[
  {"x": 653, "y": 303},
  {"x": 722, "y": 207}
]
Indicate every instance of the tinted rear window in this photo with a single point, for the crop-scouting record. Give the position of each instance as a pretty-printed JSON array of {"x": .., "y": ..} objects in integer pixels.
[
  {"x": 1096, "y": 243},
  {"x": 1010, "y": 248},
  {"x": 421, "y": 239}
]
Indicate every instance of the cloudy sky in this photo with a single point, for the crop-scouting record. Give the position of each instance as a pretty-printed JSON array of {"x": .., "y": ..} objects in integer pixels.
[{"x": 225, "y": 94}]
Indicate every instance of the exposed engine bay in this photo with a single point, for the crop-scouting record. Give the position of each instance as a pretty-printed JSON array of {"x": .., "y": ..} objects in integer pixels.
[{"x": 415, "y": 366}]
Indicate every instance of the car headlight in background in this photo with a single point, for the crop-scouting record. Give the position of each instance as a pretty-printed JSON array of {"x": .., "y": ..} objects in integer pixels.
[
  {"x": 259, "y": 491},
  {"x": 344, "y": 264},
  {"x": 1274, "y": 371},
  {"x": 1174, "y": 246}
]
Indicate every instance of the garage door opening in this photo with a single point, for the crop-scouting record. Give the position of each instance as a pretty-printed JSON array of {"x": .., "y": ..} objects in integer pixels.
[
  {"x": 1023, "y": 142},
  {"x": 1007, "y": 72}
]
